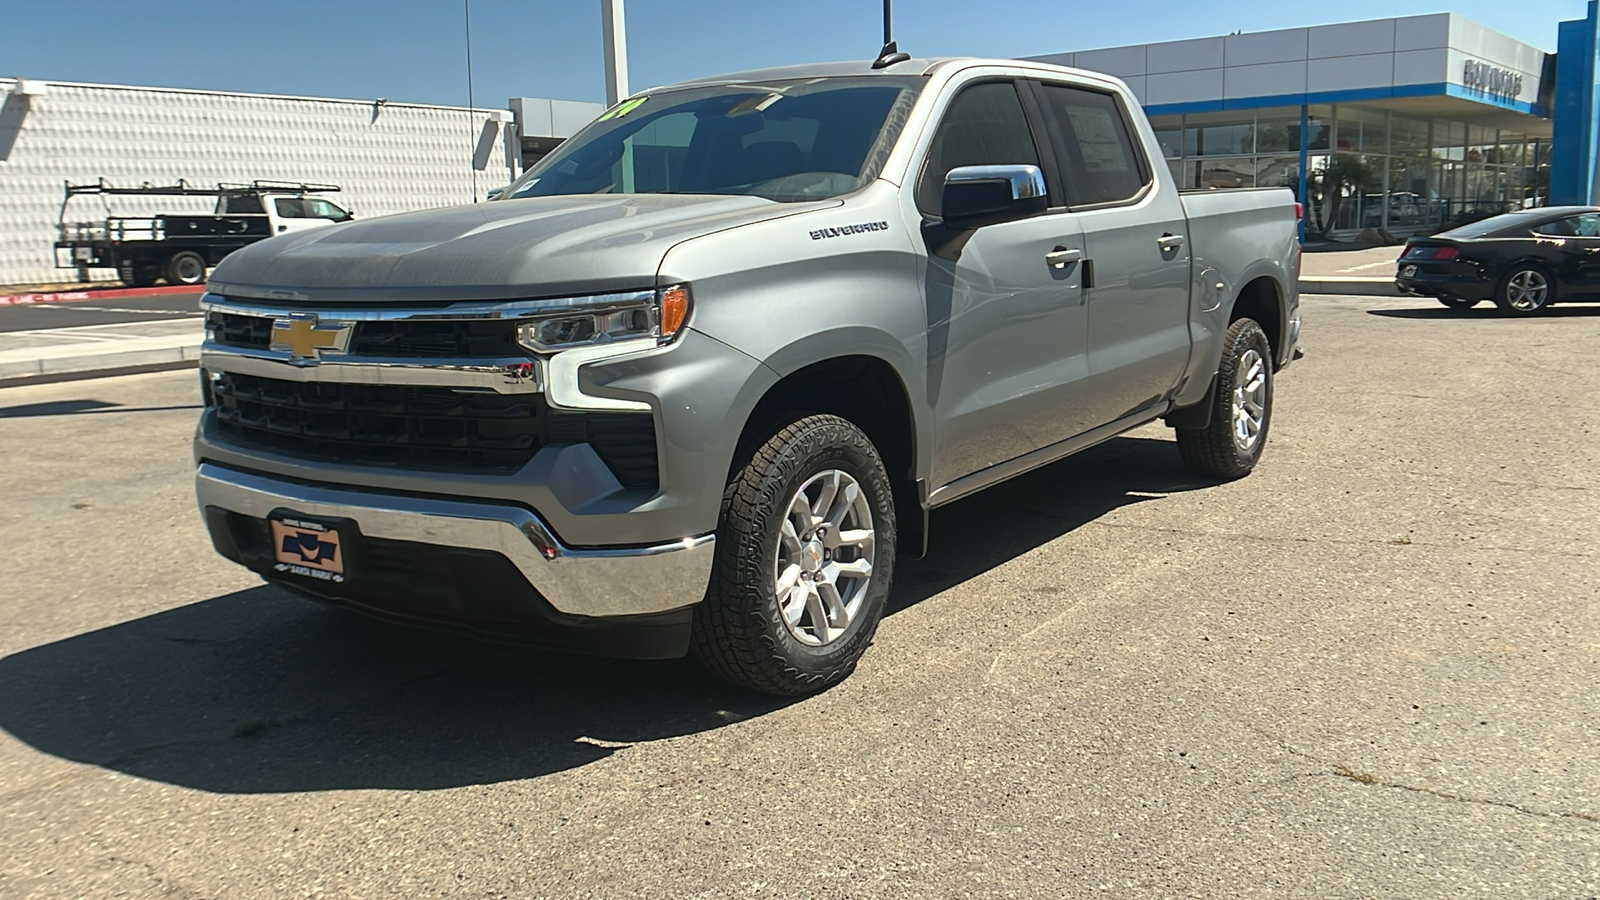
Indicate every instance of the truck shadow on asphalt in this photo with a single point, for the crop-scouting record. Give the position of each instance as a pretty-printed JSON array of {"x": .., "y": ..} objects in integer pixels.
[{"x": 260, "y": 691}]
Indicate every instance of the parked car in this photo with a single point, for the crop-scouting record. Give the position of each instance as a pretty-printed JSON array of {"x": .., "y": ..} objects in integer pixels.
[
  {"x": 180, "y": 247},
  {"x": 1524, "y": 261},
  {"x": 694, "y": 380}
]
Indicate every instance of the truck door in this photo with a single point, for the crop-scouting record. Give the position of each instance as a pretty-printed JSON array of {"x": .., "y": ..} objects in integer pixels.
[
  {"x": 289, "y": 214},
  {"x": 1005, "y": 310},
  {"x": 1136, "y": 248}
]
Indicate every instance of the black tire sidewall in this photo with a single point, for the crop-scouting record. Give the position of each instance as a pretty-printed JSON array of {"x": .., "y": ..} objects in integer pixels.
[
  {"x": 171, "y": 270},
  {"x": 1244, "y": 335}
]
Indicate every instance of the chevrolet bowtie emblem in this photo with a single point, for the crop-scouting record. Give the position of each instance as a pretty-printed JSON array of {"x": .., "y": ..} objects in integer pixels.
[{"x": 305, "y": 338}]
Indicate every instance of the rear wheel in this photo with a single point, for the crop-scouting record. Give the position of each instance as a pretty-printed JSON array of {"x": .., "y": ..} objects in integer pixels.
[
  {"x": 805, "y": 556},
  {"x": 1458, "y": 302},
  {"x": 187, "y": 267},
  {"x": 137, "y": 274},
  {"x": 1231, "y": 444},
  {"x": 1525, "y": 290}
]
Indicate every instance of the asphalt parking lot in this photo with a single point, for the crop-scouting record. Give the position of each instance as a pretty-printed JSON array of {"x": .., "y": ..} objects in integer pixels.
[{"x": 1368, "y": 670}]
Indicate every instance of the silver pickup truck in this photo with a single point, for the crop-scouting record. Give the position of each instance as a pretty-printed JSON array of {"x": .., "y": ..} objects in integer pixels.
[{"x": 691, "y": 383}]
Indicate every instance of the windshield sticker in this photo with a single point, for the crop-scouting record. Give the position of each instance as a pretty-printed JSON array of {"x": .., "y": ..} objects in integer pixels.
[
  {"x": 623, "y": 108},
  {"x": 846, "y": 230}
]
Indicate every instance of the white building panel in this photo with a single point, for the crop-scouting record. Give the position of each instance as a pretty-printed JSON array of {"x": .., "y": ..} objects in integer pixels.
[
  {"x": 1422, "y": 66},
  {"x": 1351, "y": 39},
  {"x": 388, "y": 158},
  {"x": 1118, "y": 61},
  {"x": 1350, "y": 73},
  {"x": 1265, "y": 80},
  {"x": 1265, "y": 47},
  {"x": 1422, "y": 32},
  {"x": 1184, "y": 56},
  {"x": 1183, "y": 87}
]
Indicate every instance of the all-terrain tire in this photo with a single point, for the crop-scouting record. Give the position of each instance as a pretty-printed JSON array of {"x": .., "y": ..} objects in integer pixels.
[
  {"x": 740, "y": 633},
  {"x": 1228, "y": 447}
]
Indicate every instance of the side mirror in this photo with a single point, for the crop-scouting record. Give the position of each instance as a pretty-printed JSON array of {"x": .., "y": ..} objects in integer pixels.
[{"x": 975, "y": 196}]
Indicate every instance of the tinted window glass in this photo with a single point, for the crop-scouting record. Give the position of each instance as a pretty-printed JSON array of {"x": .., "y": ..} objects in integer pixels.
[
  {"x": 783, "y": 140},
  {"x": 289, "y": 208},
  {"x": 242, "y": 204},
  {"x": 1486, "y": 227},
  {"x": 1099, "y": 162},
  {"x": 983, "y": 126},
  {"x": 318, "y": 208}
]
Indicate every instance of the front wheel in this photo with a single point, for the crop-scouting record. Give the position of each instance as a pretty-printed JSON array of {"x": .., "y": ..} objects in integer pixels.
[
  {"x": 804, "y": 559},
  {"x": 1458, "y": 302},
  {"x": 1525, "y": 290},
  {"x": 1230, "y": 446}
]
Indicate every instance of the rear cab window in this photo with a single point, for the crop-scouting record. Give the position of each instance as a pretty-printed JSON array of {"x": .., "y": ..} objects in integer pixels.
[{"x": 1100, "y": 162}]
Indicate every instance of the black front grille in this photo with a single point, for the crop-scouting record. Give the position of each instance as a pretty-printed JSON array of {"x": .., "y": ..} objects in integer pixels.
[
  {"x": 436, "y": 339},
  {"x": 426, "y": 339},
  {"x": 423, "y": 427},
  {"x": 233, "y": 330}
]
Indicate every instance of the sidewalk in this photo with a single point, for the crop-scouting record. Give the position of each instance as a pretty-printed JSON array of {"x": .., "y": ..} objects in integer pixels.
[{"x": 26, "y": 355}]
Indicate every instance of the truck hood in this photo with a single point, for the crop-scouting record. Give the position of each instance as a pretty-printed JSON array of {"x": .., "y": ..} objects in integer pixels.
[{"x": 508, "y": 249}]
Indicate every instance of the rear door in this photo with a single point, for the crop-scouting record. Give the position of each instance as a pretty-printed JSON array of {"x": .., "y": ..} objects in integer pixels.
[{"x": 1137, "y": 249}]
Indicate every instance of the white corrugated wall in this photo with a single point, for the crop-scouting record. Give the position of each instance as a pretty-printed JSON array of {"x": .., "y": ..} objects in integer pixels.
[{"x": 390, "y": 158}]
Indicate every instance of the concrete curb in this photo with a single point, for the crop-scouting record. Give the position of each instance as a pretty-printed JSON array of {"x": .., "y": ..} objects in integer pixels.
[
  {"x": 105, "y": 294},
  {"x": 86, "y": 359},
  {"x": 1350, "y": 286}
]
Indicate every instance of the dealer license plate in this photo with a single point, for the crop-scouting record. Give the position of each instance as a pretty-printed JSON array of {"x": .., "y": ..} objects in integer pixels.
[{"x": 308, "y": 549}]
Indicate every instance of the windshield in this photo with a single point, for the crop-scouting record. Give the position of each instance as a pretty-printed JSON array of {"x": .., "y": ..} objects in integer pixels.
[{"x": 782, "y": 140}]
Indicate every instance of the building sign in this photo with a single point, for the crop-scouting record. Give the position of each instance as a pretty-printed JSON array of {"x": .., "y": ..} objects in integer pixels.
[{"x": 1492, "y": 80}]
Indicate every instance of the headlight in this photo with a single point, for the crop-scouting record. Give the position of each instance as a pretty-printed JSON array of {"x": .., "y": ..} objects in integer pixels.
[{"x": 654, "y": 317}]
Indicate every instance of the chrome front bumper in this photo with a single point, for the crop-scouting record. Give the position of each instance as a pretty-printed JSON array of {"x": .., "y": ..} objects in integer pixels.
[{"x": 608, "y": 582}]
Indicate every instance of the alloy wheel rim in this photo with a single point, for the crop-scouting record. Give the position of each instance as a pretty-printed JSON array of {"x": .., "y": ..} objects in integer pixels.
[
  {"x": 1527, "y": 290},
  {"x": 1250, "y": 401},
  {"x": 825, "y": 553}
]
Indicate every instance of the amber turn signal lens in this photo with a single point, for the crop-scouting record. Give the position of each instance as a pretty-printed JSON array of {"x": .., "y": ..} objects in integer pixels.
[{"x": 674, "y": 310}]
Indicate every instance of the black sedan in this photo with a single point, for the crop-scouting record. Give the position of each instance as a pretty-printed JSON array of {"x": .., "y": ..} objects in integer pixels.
[{"x": 1523, "y": 261}]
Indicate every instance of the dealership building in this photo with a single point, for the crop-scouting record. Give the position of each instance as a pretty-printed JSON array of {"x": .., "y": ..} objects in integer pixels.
[{"x": 1423, "y": 120}]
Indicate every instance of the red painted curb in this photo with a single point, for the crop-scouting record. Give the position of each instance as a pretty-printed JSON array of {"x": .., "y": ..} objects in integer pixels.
[{"x": 109, "y": 294}]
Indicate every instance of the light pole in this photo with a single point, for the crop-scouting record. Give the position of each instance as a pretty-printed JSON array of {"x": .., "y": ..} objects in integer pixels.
[{"x": 616, "y": 51}]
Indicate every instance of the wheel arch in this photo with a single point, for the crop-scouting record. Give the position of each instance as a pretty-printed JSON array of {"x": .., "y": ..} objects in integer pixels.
[
  {"x": 1263, "y": 299},
  {"x": 870, "y": 392}
]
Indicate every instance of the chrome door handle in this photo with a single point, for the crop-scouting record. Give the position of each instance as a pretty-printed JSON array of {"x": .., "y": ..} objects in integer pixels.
[
  {"x": 1061, "y": 256},
  {"x": 1169, "y": 241}
]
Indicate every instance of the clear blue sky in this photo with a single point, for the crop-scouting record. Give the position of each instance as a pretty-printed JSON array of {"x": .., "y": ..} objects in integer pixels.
[{"x": 415, "y": 49}]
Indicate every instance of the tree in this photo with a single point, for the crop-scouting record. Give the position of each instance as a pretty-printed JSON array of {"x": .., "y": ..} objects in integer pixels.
[{"x": 1344, "y": 173}]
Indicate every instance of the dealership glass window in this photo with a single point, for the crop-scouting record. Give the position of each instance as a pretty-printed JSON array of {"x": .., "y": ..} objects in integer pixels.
[
  {"x": 1449, "y": 139},
  {"x": 1278, "y": 171},
  {"x": 1219, "y": 134},
  {"x": 1426, "y": 173},
  {"x": 1221, "y": 172},
  {"x": 1171, "y": 141}
]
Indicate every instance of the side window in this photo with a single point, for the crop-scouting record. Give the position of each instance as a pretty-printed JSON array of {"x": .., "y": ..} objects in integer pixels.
[
  {"x": 1099, "y": 160},
  {"x": 318, "y": 208},
  {"x": 288, "y": 208},
  {"x": 242, "y": 204},
  {"x": 983, "y": 126},
  {"x": 1586, "y": 225}
]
